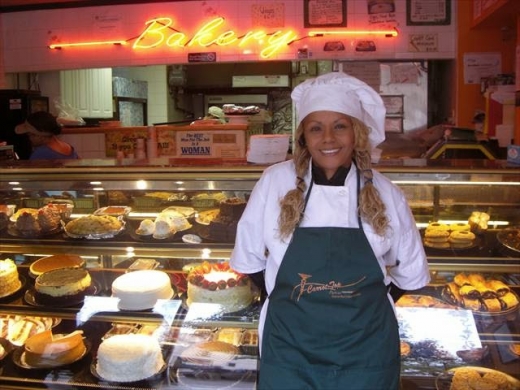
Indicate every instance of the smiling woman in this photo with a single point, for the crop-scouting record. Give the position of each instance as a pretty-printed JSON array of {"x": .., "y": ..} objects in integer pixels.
[{"x": 331, "y": 227}]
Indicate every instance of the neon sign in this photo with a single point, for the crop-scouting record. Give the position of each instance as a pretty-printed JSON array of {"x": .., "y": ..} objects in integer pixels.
[{"x": 161, "y": 32}]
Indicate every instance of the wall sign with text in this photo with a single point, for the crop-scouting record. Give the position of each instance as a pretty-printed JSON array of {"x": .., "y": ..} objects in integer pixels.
[{"x": 428, "y": 12}]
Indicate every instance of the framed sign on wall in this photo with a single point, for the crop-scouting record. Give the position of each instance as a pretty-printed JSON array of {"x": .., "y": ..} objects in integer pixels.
[
  {"x": 428, "y": 12},
  {"x": 325, "y": 13}
]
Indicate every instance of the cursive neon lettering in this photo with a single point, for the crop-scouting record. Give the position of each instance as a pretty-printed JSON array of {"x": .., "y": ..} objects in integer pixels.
[
  {"x": 154, "y": 29},
  {"x": 276, "y": 42},
  {"x": 204, "y": 36}
]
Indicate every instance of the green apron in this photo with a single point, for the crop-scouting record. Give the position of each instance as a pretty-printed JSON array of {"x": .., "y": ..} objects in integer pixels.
[{"x": 329, "y": 323}]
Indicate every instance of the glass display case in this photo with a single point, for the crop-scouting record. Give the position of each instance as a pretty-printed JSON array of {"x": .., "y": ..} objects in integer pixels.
[{"x": 479, "y": 328}]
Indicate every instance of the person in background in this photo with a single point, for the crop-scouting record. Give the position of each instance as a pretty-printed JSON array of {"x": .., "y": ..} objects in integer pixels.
[
  {"x": 337, "y": 243},
  {"x": 42, "y": 129},
  {"x": 215, "y": 112}
]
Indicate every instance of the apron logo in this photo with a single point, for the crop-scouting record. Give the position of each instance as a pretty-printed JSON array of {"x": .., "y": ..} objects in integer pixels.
[{"x": 335, "y": 289}]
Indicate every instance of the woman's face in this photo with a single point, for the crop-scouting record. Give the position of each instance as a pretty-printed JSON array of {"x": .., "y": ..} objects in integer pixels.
[{"x": 329, "y": 137}]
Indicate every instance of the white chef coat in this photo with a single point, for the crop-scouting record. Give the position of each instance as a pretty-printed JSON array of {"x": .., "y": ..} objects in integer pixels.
[{"x": 258, "y": 246}]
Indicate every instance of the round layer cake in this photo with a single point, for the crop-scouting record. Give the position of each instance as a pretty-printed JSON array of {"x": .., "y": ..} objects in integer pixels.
[
  {"x": 129, "y": 358},
  {"x": 140, "y": 290},
  {"x": 9, "y": 278},
  {"x": 50, "y": 263},
  {"x": 62, "y": 285},
  {"x": 219, "y": 284},
  {"x": 45, "y": 350}
]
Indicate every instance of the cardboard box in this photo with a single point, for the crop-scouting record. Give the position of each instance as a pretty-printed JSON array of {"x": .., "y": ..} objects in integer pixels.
[{"x": 513, "y": 154}]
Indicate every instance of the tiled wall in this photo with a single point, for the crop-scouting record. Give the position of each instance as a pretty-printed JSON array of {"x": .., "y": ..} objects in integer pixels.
[{"x": 87, "y": 145}]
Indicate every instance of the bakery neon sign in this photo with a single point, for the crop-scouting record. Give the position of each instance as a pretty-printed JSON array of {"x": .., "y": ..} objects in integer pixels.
[{"x": 161, "y": 32}]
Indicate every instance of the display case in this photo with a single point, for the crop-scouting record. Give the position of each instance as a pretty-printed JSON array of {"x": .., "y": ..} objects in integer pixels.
[{"x": 444, "y": 192}]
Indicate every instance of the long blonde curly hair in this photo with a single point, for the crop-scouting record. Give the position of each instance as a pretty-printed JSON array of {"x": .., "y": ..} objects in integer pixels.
[{"x": 371, "y": 207}]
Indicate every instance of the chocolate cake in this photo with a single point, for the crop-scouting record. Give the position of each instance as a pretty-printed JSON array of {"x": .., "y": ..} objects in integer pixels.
[{"x": 224, "y": 227}]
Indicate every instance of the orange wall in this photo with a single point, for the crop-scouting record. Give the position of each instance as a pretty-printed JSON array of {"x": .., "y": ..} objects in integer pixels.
[{"x": 468, "y": 98}]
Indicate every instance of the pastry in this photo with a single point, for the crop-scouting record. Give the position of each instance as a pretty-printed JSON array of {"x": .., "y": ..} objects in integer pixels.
[
  {"x": 472, "y": 304},
  {"x": 94, "y": 224},
  {"x": 461, "y": 279},
  {"x": 478, "y": 222},
  {"x": 461, "y": 239},
  {"x": 460, "y": 227},
  {"x": 510, "y": 300},
  {"x": 499, "y": 287}
]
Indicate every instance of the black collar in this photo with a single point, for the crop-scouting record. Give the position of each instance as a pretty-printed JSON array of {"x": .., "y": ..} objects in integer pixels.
[{"x": 338, "y": 179}]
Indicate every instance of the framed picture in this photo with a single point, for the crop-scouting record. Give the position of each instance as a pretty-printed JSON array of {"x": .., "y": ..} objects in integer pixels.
[
  {"x": 394, "y": 104},
  {"x": 428, "y": 12},
  {"x": 325, "y": 13}
]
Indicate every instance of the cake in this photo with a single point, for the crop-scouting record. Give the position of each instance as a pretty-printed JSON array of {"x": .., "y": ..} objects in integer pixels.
[
  {"x": 140, "y": 290},
  {"x": 62, "y": 285},
  {"x": 45, "y": 350},
  {"x": 50, "y": 263},
  {"x": 219, "y": 284},
  {"x": 38, "y": 221},
  {"x": 129, "y": 358},
  {"x": 9, "y": 278},
  {"x": 17, "y": 329},
  {"x": 223, "y": 227}
]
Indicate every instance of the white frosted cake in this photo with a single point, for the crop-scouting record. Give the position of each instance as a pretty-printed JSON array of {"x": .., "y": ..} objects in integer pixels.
[
  {"x": 129, "y": 358},
  {"x": 9, "y": 278},
  {"x": 218, "y": 283},
  {"x": 140, "y": 290}
]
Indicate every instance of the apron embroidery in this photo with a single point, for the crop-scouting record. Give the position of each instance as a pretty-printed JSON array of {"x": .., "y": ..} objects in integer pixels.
[{"x": 335, "y": 289}]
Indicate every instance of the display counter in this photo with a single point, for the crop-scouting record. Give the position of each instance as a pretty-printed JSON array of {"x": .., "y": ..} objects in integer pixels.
[{"x": 447, "y": 192}]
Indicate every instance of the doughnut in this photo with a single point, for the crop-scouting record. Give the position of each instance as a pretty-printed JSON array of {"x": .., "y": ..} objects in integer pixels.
[
  {"x": 460, "y": 227},
  {"x": 461, "y": 239},
  {"x": 437, "y": 226},
  {"x": 461, "y": 236},
  {"x": 434, "y": 235},
  {"x": 435, "y": 244}
]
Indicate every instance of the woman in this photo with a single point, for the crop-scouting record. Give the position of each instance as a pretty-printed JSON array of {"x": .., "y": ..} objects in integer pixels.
[
  {"x": 42, "y": 129},
  {"x": 333, "y": 236}
]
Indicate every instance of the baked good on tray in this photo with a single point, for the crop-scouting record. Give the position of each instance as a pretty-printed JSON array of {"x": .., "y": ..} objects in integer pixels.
[
  {"x": 62, "y": 285},
  {"x": 45, "y": 350},
  {"x": 140, "y": 290},
  {"x": 129, "y": 358},
  {"x": 94, "y": 224},
  {"x": 9, "y": 277},
  {"x": 484, "y": 295},
  {"x": 38, "y": 221},
  {"x": 50, "y": 263},
  {"x": 217, "y": 283},
  {"x": 224, "y": 226}
]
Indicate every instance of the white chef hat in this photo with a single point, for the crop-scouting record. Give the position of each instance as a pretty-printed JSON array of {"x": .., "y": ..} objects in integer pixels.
[{"x": 342, "y": 93}]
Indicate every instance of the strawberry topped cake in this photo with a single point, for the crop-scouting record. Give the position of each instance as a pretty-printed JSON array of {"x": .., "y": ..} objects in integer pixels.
[{"x": 218, "y": 283}]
